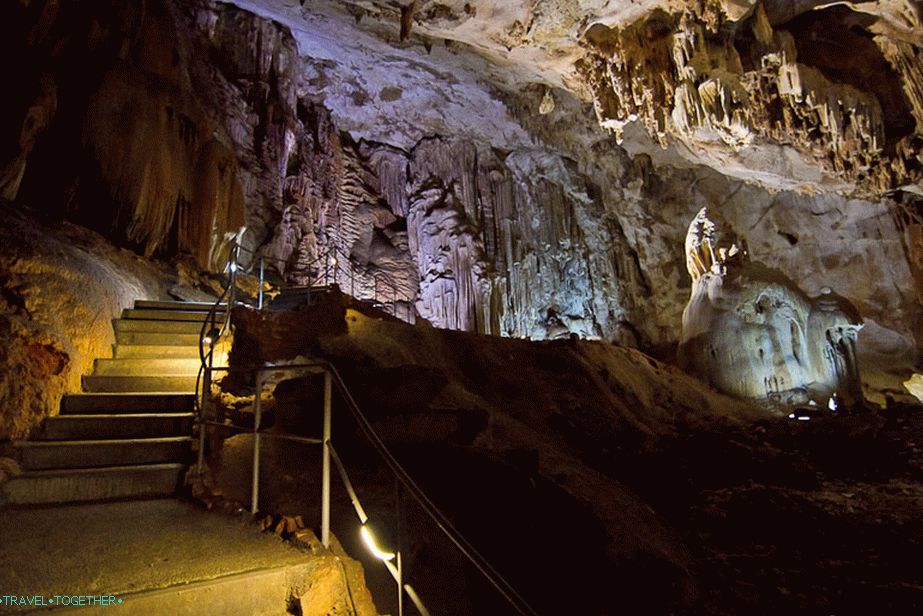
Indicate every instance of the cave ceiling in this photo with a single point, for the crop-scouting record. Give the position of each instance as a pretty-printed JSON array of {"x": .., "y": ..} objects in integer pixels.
[
  {"x": 525, "y": 169},
  {"x": 792, "y": 95}
]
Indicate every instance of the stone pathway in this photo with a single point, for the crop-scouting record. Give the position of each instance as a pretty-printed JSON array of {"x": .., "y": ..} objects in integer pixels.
[{"x": 157, "y": 556}]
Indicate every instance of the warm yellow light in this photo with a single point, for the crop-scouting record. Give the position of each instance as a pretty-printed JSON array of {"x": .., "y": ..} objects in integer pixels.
[{"x": 372, "y": 546}]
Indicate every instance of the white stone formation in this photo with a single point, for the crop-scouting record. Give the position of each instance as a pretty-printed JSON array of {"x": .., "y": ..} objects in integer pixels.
[{"x": 751, "y": 332}]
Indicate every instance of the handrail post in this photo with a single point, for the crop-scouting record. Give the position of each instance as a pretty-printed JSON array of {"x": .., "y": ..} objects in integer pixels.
[
  {"x": 399, "y": 544},
  {"x": 325, "y": 480},
  {"x": 232, "y": 275},
  {"x": 206, "y": 391},
  {"x": 257, "y": 409},
  {"x": 206, "y": 394},
  {"x": 259, "y": 302},
  {"x": 336, "y": 267},
  {"x": 400, "y": 585}
]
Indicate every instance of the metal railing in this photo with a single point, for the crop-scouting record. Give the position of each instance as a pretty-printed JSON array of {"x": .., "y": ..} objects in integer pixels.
[
  {"x": 329, "y": 268},
  {"x": 330, "y": 458},
  {"x": 210, "y": 333}
]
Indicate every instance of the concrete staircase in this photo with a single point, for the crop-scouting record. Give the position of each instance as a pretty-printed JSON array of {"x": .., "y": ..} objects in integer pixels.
[
  {"x": 128, "y": 437},
  {"x": 129, "y": 434}
]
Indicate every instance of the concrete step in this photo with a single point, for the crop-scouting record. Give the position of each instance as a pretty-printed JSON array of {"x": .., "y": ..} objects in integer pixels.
[
  {"x": 92, "y": 484},
  {"x": 261, "y": 592},
  {"x": 164, "y": 327},
  {"x": 116, "y": 384},
  {"x": 39, "y": 455},
  {"x": 156, "y": 338},
  {"x": 154, "y": 351},
  {"x": 144, "y": 425},
  {"x": 127, "y": 403},
  {"x": 144, "y": 304},
  {"x": 146, "y": 367},
  {"x": 170, "y": 315}
]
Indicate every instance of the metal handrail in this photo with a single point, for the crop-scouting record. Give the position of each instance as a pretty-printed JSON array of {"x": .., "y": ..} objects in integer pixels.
[
  {"x": 331, "y": 375},
  {"x": 496, "y": 580},
  {"x": 447, "y": 528},
  {"x": 330, "y": 260}
]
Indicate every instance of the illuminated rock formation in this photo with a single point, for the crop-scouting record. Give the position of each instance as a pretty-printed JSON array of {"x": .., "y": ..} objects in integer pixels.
[
  {"x": 828, "y": 98},
  {"x": 463, "y": 171},
  {"x": 753, "y": 333}
]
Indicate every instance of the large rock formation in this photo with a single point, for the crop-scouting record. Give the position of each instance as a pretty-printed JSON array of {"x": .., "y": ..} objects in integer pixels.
[
  {"x": 458, "y": 167},
  {"x": 658, "y": 494},
  {"x": 753, "y": 333},
  {"x": 118, "y": 132},
  {"x": 781, "y": 102}
]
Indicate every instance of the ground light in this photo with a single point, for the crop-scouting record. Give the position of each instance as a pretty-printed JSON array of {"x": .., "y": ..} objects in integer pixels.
[
  {"x": 372, "y": 545},
  {"x": 396, "y": 571}
]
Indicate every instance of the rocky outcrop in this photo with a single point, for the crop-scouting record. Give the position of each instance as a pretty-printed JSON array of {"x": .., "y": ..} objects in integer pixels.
[
  {"x": 564, "y": 417},
  {"x": 127, "y": 138},
  {"x": 737, "y": 92},
  {"x": 60, "y": 288},
  {"x": 478, "y": 198},
  {"x": 674, "y": 498},
  {"x": 753, "y": 333}
]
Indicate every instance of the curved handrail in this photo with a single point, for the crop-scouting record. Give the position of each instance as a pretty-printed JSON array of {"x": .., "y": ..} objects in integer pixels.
[
  {"x": 448, "y": 529},
  {"x": 332, "y": 260},
  {"x": 228, "y": 294},
  {"x": 487, "y": 570},
  {"x": 496, "y": 580}
]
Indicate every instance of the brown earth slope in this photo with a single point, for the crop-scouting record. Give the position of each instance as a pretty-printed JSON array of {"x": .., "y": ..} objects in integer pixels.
[{"x": 599, "y": 480}]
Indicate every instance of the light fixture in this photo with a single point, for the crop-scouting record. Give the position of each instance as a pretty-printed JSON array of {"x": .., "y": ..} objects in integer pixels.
[
  {"x": 233, "y": 267},
  {"x": 369, "y": 541},
  {"x": 334, "y": 262},
  {"x": 207, "y": 340}
]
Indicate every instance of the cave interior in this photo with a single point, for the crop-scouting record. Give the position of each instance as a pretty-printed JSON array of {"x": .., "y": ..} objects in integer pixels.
[{"x": 588, "y": 307}]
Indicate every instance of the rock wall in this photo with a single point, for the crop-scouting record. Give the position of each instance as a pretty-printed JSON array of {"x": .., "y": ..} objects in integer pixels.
[
  {"x": 60, "y": 288},
  {"x": 402, "y": 174},
  {"x": 835, "y": 91},
  {"x": 119, "y": 132}
]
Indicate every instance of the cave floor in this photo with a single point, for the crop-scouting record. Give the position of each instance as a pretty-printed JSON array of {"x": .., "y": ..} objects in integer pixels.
[{"x": 130, "y": 548}]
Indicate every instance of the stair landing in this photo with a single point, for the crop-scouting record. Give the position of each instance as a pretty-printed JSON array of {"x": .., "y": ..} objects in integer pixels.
[{"x": 157, "y": 556}]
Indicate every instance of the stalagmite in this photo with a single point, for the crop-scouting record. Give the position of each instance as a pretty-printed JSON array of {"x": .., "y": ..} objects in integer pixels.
[{"x": 753, "y": 333}]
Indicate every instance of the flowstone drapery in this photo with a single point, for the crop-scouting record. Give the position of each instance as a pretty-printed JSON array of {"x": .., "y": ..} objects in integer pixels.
[{"x": 751, "y": 332}]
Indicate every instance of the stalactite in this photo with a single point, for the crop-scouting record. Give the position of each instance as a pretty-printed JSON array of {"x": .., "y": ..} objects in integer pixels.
[{"x": 727, "y": 90}]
